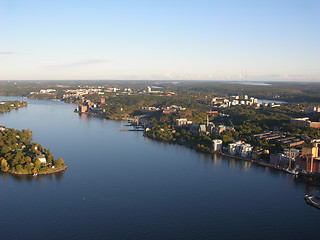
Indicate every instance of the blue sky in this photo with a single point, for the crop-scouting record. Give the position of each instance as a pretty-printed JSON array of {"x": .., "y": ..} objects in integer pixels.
[{"x": 160, "y": 40}]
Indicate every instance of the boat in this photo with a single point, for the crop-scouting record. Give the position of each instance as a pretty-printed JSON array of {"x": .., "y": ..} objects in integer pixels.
[
  {"x": 35, "y": 174},
  {"x": 291, "y": 171},
  {"x": 313, "y": 200}
]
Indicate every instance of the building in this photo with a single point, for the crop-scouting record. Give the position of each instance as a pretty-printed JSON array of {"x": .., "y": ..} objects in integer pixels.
[
  {"x": 83, "y": 108},
  {"x": 152, "y": 91},
  {"x": 210, "y": 127},
  {"x": 42, "y": 158},
  {"x": 312, "y": 109},
  {"x": 212, "y": 112},
  {"x": 245, "y": 150},
  {"x": 291, "y": 152},
  {"x": 203, "y": 128},
  {"x": 310, "y": 150},
  {"x": 309, "y": 160},
  {"x": 285, "y": 159},
  {"x": 169, "y": 111},
  {"x": 240, "y": 148},
  {"x": 198, "y": 128},
  {"x": 102, "y": 100},
  {"x": 308, "y": 163},
  {"x": 279, "y": 159},
  {"x": 304, "y": 122},
  {"x": 233, "y": 148},
  {"x": 216, "y": 145},
  {"x": 181, "y": 122}
]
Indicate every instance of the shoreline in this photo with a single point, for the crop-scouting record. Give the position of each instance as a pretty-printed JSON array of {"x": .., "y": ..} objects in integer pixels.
[
  {"x": 259, "y": 162},
  {"x": 311, "y": 176},
  {"x": 39, "y": 173}
]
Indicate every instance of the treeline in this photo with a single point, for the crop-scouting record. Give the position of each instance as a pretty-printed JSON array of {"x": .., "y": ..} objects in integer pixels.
[
  {"x": 168, "y": 133},
  {"x": 6, "y": 106}
]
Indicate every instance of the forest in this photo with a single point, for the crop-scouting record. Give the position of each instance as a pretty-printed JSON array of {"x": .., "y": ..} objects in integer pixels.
[{"x": 19, "y": 155}]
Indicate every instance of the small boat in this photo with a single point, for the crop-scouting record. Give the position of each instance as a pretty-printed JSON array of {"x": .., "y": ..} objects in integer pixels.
[
  {"x": 291, "y": 171},
  {"x": 313, "y": 200},
  {"x": 35, "y": 174}
]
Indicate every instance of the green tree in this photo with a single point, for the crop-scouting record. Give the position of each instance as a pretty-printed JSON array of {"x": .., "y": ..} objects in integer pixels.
[
  {"x": 4, "y": 165},
  {"x": 59, "y": 162}
]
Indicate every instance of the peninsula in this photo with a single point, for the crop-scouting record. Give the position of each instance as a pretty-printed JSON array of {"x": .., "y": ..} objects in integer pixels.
[
  {"x": 19, "y": 155},
  {"x": 7, "y": 106}
]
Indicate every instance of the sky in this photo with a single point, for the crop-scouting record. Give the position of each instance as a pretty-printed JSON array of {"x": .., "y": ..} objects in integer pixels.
[{"x": 249, "y": 40}]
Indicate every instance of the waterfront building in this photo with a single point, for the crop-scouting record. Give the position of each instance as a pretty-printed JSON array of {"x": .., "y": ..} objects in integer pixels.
[
  {"x": 233, "y": 148},
  {"x": 240, "y": 148},
  {"x": 308, "y": 163},
  {"x": 291, "y": 152},
  {"x": 216, "y": 145},
  {"x": 83, "y": 108},
  {"x": 310, "y": 150},
  {"x": 279, "y": 159},
  {"x": 284, "y": 159},
  {"x": 245, "y": 150},
  {"x": 309, "y": 160}
]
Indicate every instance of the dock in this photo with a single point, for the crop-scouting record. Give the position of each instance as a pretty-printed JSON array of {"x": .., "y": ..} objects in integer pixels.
[{"x": 313, "y": 201}]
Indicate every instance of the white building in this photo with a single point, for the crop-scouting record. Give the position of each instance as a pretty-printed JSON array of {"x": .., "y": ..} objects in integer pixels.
[
  {"x": 216, "y": 145},
  {"x": 42, "y": 158},
  {"x": 232, "y": 148},
  {"x": 181, "y": 121},
  {"x": 245, "y": 150},
  {"x": 240, "y": 148}
]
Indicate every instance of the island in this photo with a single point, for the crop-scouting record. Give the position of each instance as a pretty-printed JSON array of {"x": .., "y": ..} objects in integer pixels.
[
  {"x": 19, "y": 155},
  {"x": 7, "y": 106}
]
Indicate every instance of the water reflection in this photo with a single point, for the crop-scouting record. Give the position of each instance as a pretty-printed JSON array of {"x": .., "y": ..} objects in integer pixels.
[{"x": 30, "y": 178}]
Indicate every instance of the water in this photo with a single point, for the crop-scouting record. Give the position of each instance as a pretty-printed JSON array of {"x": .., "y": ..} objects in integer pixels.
[
  {"x": 120, "y": 185},
  {"x": 270, "y": 101},
  {"x": 253, "y": 83}
]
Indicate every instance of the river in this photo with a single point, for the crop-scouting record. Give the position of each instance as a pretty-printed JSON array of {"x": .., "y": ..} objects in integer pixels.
[{"x": 120, "y": 185}]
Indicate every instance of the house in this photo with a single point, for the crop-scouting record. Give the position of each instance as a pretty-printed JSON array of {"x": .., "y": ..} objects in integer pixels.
[{"x": 42, "y": 158}]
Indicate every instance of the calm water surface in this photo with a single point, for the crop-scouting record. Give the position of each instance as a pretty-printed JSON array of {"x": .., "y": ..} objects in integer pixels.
[{"x": 120, "y": 185}]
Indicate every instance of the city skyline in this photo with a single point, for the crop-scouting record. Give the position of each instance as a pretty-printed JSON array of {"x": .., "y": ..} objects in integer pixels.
[{"x": 167, "y": 40}]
